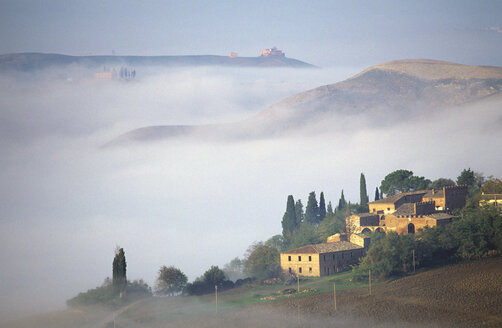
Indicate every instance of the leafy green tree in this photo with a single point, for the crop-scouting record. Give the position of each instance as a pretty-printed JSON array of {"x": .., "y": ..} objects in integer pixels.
[
  {"x": 466, "y": 177},
  {"x": 312, "y": 209},
  {"x": 234, "y": 269},
  {"x": 363, "y": 194},
  {"x": 214, "y": 276},
  {"x": 322, "y": 207},
  {"x": 473, "y": 180},
  {"x": 289, "y": 221},
  {"x": 170, "y": 280},
  {"x": 119, "y": 279},
  {"x": 300, "y": 215},
  {"x": 333, "y": 223},
  {"x": 276, "y": 241},
  {"x": 442, "y": 182},
  {"x": 262, "y": 262},
  {"x": 493, "y": 186},
  {"x": 306, "y": 234},
  {"x": 402, "y": 181},
  {"x": 377, "y": 195}
]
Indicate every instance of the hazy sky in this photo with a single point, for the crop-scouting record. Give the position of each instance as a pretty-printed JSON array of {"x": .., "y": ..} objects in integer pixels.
[
  {"x": 326, "y": 33},
  {"x": 65, "y": 203}
]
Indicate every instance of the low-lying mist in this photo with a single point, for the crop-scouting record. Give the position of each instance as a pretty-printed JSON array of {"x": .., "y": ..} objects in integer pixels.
[{"x": 66, "y": 202}]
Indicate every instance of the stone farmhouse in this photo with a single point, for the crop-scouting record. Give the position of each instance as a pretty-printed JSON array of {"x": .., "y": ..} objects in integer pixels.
[
  {"x": 338, "y": 254},
  {"x": 490, "y": 199},
  {"x": 409, "y": 212}
]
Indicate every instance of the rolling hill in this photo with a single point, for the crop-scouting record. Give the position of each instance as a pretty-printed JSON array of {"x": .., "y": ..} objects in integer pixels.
[
  {"x": 387, "y": 93},
  {"x": 463, "y": 295},
  {"x": 36, "y": 61}
]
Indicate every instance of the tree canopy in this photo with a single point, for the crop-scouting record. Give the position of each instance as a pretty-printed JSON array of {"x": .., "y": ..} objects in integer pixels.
[
  {"x": 402, "y": 181},
  {"x": 262, "y": 262},
  {"x": 493, "y": 186},
  {"x": 442, "y": 182},
  {"x": 170, "y": 280}
]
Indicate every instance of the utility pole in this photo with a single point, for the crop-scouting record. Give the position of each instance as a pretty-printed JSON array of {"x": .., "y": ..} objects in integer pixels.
[
  {"x": 370, "y": 280},
  {"x": 334, "y": 293},
  {"x": 297, "y": 279},
  {"x": 413, "y": 261},
  {"x": 216, "y": 294}
]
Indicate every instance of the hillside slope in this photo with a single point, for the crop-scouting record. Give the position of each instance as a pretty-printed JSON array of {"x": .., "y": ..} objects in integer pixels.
[
  {"x": 464, "y": 295},
  {"x": 387, "y": 93}
]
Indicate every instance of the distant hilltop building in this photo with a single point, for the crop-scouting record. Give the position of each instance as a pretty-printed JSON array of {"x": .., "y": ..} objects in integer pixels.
[
  {"x": 272, "y": 52},
  {"x": 232, "y": 54}
]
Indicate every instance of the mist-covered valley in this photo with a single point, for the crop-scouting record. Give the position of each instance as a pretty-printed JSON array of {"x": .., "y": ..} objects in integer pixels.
[{"x": 67, "y": 201}]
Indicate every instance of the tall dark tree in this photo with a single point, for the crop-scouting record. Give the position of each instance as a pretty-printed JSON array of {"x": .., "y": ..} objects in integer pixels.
[
  {"x": 330, "y": 208},
  {"x": 119, "y": 278},
  {"x": 289, "y": 221},
  {"x": 342, "y": 203},
  {"x": 312, "y": 209},
  {"x": 322, "y": 207},
  {"x": 473, "y": 180},
  {"x": 377, "y": 195},
  {"x": 300, "y": 215},
  {"x": 466, "y": 177},
  {"x": 363, "y": 193}
]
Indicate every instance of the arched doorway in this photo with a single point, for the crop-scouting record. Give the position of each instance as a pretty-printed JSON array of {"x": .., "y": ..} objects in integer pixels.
[
  {"x": 366, "y": 231},
  {"x": 411, "y": 228}
]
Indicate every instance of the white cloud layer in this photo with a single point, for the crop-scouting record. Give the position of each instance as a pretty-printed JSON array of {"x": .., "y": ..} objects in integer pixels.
[{"x": 65, "y": 203}]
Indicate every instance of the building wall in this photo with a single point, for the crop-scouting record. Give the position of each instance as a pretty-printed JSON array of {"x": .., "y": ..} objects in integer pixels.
[
  {"x": 320, "y": 264},
  {"x": 304, "y": 264},
  {"x": 384, "y": 208},
  {"x": 400, "y": 224},
  {"x": 455, "y": 197},
  {"x": 331, "y": 263},
  {"x": 425, "y": 208}
]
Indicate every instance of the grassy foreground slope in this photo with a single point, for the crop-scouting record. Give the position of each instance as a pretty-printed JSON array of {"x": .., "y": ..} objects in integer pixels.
[{"x": 464, "y": 295}]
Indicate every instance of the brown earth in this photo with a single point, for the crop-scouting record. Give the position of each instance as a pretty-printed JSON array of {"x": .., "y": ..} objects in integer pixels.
[{"x": 465, "y": 295}]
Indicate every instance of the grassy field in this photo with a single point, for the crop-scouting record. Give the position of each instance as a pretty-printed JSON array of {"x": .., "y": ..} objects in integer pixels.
[{"x": 464, "y": 295}]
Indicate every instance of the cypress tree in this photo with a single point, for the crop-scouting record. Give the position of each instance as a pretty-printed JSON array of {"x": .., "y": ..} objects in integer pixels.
[
  {"x": 289, "y": 221},
  {"x": 300, "y": 215},
  {"x": 341, "y": 203},
  {"x": 312, "y": 209},
  {"x": 330, "y": 208},
  {"x": 363, "y": 193},
  {"x": 119, "y": 271},
  {"x": 377, "y": 195},
  {"x": 322, "y": 207}
]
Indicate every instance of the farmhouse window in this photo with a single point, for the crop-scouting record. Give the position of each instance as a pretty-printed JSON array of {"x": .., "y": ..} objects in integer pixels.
[
  {"x": 299, "y": 258},
  {"x": 289, "y": 258},
  {"x": 289, "y": 270},
  {"x": 310, "y": 270},
  {"x": 300, "y": 270},
  {"x": 310, "y": 258}
]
